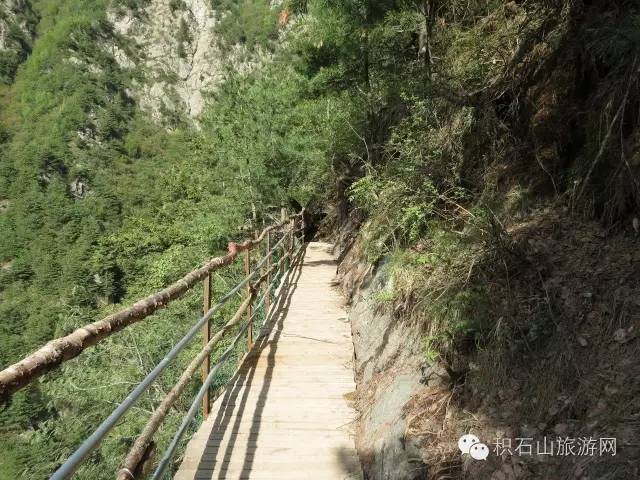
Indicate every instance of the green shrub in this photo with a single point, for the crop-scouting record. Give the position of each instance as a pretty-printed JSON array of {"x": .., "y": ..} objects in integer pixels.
[
  {"x": 250, "y": 23},
  {"x": 296, "y": 6}
]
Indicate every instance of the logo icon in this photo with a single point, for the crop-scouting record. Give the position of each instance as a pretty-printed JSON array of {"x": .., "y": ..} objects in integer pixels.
[{"x": 472, "y": 445}]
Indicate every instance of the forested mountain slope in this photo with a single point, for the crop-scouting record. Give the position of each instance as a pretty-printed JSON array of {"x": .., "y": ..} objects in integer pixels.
[
  {"x": 107, "y": 195},
  {"x": 485, "y": 152}
]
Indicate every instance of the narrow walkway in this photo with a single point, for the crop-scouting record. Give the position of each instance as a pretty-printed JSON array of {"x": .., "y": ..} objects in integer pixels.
[{"x": 287, "y": 414}]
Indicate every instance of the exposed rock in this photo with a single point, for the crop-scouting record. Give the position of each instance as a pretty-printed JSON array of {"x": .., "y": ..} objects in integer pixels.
[
  {"x": 388, "y": 373},
  {"x": 17, "y": 25},
  {"x": 79, "y": 188},
  {"x": 10, "y": 17},
  {"x": 176, "y": 51}
]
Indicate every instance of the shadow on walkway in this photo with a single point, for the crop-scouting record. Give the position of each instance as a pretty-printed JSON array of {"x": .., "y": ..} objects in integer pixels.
[{"x": 234, "y": 403}]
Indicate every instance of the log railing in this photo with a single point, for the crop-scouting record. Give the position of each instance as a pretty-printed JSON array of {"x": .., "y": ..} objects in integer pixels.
[{"x": 258, "y": 284}]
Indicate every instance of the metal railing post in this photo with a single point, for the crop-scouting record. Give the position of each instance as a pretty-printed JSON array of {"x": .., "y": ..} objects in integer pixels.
[
  {"x": 247, "y": 271},
  {"x": 206, "y": 336}
]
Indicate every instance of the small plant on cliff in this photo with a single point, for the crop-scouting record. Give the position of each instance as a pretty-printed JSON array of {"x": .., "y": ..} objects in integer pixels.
[
  {"x": 177, "y": 5},
  {"x": 183, "y": 37},
  {"x": 251, "y": 23}
]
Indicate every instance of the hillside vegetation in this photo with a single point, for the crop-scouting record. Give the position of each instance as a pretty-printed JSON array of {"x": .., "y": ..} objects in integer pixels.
[
  {"x": 99, "y": 206},
  {"x": 487, "y": 149}
]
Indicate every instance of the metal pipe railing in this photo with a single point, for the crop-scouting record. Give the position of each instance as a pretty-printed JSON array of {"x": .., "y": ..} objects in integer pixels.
[
  {"x": 140, "y": 446},
  {"x": 62, "y": 349},
  {"x": 188, "y": 418},
  {"x": 75, "y": 460},
  {"x": 166, "y": 459}
]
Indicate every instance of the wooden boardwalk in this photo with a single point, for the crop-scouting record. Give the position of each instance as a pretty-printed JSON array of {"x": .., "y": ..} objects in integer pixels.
[{"x": 287, "y": 413}]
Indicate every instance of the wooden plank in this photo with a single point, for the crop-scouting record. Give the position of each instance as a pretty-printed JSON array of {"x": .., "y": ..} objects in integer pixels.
[{"x": 288, "y": 412}]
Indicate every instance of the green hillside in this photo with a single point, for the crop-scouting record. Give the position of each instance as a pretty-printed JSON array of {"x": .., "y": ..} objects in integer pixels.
[
  {"x": 439, "y": 129},
  {"x": 100, "y": 206}
]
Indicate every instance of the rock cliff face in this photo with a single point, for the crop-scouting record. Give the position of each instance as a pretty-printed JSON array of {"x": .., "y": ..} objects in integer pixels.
[
  {"x": 17, "y": 24},
  {"x": 389, "y": 373},
  {"x": 175, "y": 52},
  {"x": 11, "y": 22}
]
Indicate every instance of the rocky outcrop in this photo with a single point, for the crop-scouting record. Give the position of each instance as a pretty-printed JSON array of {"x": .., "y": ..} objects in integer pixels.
[
  {"x": 389, "y": 373},
  {"x": 174, "y": 49},
  {"x": 17, "y": 27}
]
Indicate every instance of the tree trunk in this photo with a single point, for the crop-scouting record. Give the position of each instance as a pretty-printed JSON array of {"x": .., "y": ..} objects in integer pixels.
[{"x": 429, "y": 10}]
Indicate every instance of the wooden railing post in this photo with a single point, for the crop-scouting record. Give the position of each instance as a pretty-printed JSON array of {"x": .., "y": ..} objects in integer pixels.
[
  {"x": 247, "y": 271},
  {"x": 267, "y": 285},
  {"x": 292, "y": 237},
  {"x": 283, "y": 218},
  {"x": 206, "y": 336}
]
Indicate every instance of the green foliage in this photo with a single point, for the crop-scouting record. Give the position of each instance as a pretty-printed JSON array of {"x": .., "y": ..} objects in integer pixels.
[
  {"x": 398, "y": 215},
  {"x": 250, "y": 23},
  {"x": 99, "y": 205},
  {"x": 296, "y": 6},
  {"x": 449, "y": 305},
  {"x": 9, "y": 62},
  {"x": 384, "y": 296},
  {"x": 421, "y": 179},
  {"x": 278, "y": 134},
  {"x": 131, "y": 5}
]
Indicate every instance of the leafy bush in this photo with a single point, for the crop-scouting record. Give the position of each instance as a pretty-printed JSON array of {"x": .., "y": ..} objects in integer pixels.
[
  {"x": 9, "y": 62},
  {"x": 296, "y": 6}
]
